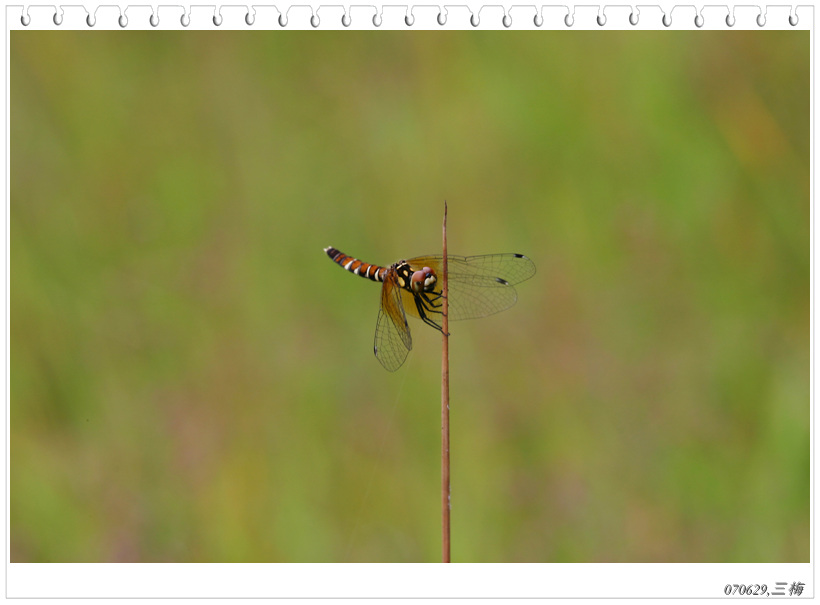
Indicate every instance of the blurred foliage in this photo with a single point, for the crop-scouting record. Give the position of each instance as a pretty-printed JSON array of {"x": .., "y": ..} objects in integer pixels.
[{"x": 193, "y": 379}]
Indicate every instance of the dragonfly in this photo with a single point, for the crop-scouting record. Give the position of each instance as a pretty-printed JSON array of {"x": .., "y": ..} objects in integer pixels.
[{"x": 478, "y": 286}]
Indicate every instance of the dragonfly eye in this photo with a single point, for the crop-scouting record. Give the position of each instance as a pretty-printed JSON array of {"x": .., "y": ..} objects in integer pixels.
[{"x": 423, "y": 281}]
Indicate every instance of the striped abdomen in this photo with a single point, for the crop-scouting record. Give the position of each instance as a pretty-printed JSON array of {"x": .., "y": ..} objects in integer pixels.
[{"x": 373, "y": 272}]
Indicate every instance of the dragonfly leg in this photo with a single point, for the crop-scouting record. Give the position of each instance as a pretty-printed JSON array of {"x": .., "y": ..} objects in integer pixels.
[
  {"x": 434, "y": 301},
  {"x": 423, "y": 305},
  {"x": 433, "y": 304}
]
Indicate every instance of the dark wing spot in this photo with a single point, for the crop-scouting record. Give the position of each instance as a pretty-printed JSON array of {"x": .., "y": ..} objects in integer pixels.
[
  {"x": 502, "y": 281},
  {"x": 520, "y": 256}
]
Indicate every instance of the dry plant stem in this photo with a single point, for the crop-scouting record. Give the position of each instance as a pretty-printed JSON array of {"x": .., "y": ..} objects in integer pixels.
[{"x": 445, "y": 407}]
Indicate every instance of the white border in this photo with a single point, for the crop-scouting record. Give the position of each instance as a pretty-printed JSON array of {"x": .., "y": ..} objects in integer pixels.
[{"x": 416, "y": 580}]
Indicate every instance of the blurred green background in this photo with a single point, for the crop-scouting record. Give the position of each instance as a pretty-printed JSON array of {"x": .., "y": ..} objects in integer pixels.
[{"x": 192, "y": 379}]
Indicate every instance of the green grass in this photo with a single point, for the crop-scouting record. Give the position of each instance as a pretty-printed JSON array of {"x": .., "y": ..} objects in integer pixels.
[{"x": 193, "y": 380}]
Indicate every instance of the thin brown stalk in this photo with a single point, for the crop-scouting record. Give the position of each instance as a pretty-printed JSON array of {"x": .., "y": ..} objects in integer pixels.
[{"x": 445, "y": 406}]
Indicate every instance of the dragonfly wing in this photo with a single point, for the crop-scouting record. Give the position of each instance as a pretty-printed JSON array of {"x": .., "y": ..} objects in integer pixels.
[
  {"x": 479, "y": 285},
  {"x": 511, "y": 268},
  {"x": 393, "y": 341}
]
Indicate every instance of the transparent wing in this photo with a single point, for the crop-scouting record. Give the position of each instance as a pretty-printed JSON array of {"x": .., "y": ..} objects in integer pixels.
[
  {"x": 393, "y": 340},
  {"x": 478, "y": 285}
]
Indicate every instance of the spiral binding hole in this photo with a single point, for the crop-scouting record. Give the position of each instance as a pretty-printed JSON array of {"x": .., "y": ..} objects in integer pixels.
[
  {"x": 409, "y": 19},
  {"x": 25, "y": 19},
  {"x": 793, "y": 20}
]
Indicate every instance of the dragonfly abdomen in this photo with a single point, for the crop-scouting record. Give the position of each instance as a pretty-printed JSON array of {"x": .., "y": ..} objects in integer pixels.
[{"x": 354, "y": 265}]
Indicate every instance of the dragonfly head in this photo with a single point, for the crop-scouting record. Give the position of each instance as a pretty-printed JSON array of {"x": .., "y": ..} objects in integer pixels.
[{"x": 423, "y": 280}]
